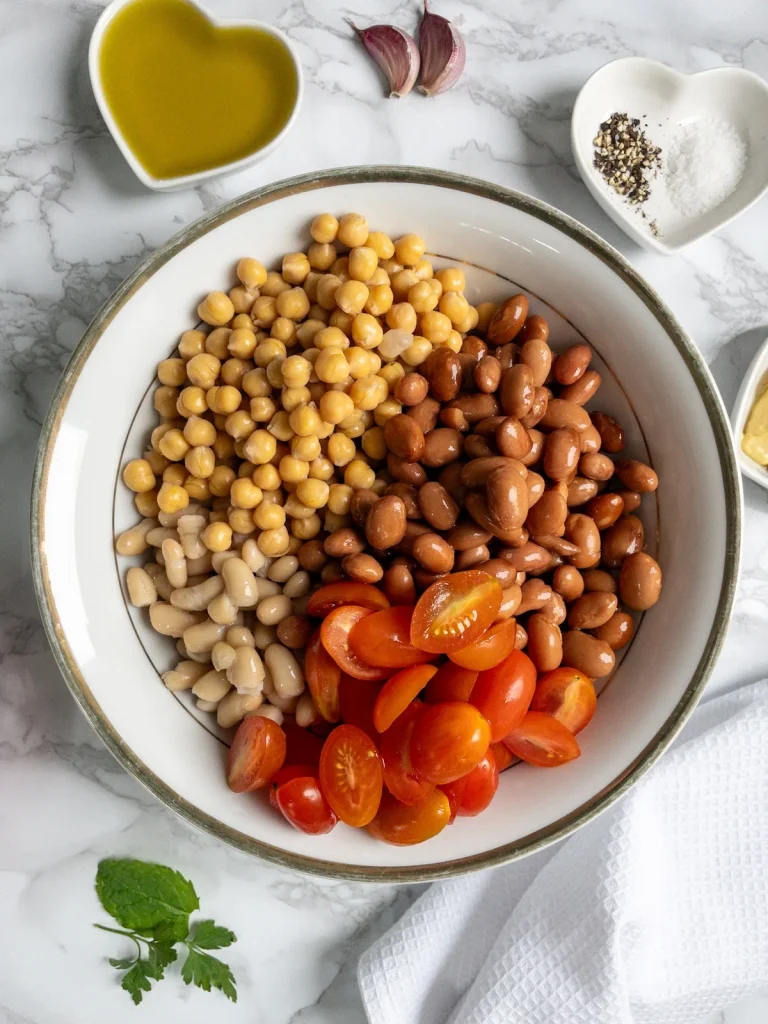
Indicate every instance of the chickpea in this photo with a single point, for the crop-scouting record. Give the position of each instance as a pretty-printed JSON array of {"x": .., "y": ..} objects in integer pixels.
[
  {"x": 192, "y": 401},
  {"x": 296, "y": 371},
  {"x": 436, "y": 327},
  {"x": 380, "y": 298},
  {"x": 402, "y": 317},
  {"x": 409, "y": 249},
  {"x": 341, "y": 449},
  {"x": 366, "y": 330},
  {"x": 330, "y": 337},
  {"x": 293, "y": 470},
  {"x": 244, "y": 493},
  {"x": 191, "y": 344},
  {"x": 283, "y": 330},
  {"x": 352, "y": 230},
  {"x": 485, "y": 313},
  {"x": 352, "y": 296},
  {"x": 331, "y": 366},
  {"x": 172, "y": 372},
  {"x": 392, "y": 373},
  {"x": 381, "y": 244},
  {"x": 339, "y": 498},
  {"x": 292, "y": 304},
  {"x": 390, "y": 264},
  {"x": 274, "y": 284},
  {"x": 173, "y": 445},
  {"x": 359, "y": 475},
  {"x": 241, "y": 520},
  {"x": 280, "y": 427},
  {"x": 217, "y": 341},
  {"x": 138, "y": 476},
  {"x": 264, "y": 311},
  {"x": 358, "y": 362},
  {"x": 353, "y": 426},
  {"x": 424, "y": 270},
  {"x": 306, "y": 529},
  {"x": 321, "y": 255},
  {"x": 203, "y": 370},
  {"x": 175, "y": 474},
  {"x": 321, "y": 469},
  {"x": 200, "y": 461},
  {"x": 223, "y": 446},
  {"x": 269, "y": 516},
  {"x": 402, "y": 282},
  {"x": 417, "y": 351},
  {"x": 295, "y": 267},
  {"x": 165, "y": 401},
  {"x": 242, "y": 298},
  {"x": 241, "y": 343},
  {"x": 260, "y": 447},
  {"x": 342, "y": 320},
  {"x": 436, "y": 287},
  {"x": 305, "y": 420},
  {"x": 306, "y": 448},
  {"x": 220, "y": 481},
  {"x": 255, "y": 383},
  {"x": 453, "y": 342},
  {"x": 251, "y": 273},
  {"x": 275, "y": 372},
  {"x": 246, "y": 469},
  {"x": 306, "y": 332},
  {"x": 324, "y": 228},
  {"x": 172, "y": 498},
  {"x": 326, "y": 293},
  {"x": 469, "y": 323},
  {"x": 197, "y": 488},
  {"x": 266, "y": 352},
  {"x": 422, "y": 297},
  {"x": 386, "y": 410},
  {"x": 362, "y": 263},
  {"x": 224, "y": 400},
  {"x": 367, "y": 392},
  {"x": 146, "y": 504},
  {"x": 266, "y": 477},
  {"x": 233, "y": 370},
  {"x": 216, "y": 309},
  {"x": 313, "y": 493},
  {"x": 293, "y": 397},
  {"x": 379, "y": 276},
  {"x": 273, "y": 543},
  {"x": 374, "y": 445},
  {"x": 452, "y": 279},
  {"x": 239, "y": 425},
  {"x": 217, "y": 536},
  {"x": 262, "y": 410},
  {"x": 454, "y": 306},
  {"x": 242, "y": 321}
]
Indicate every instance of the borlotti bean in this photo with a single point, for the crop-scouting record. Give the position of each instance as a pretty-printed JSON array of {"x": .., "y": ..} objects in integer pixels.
[{"x": 356, "y": 418}]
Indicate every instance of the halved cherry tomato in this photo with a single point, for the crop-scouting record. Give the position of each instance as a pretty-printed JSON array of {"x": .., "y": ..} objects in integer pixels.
[
  {"x": 257, "y": 752},
  {"x": 303, "y": 746},
  {"x": 302, "y": 803},
  {"x": 400, "y": 777},
  {"x": 455, "y": 611},
  {"x": 356, "y": 700},
  {"x": 286, "y": 773},
  {"x": 404, "y": 825},
  {"x": 332, "y": 595},
  {"x": 398, "y": 692},
  {"x": 452, "y": 682},
  {"x": 384, "y": 638},
  {"x": 490, "y": 650},
  {"x": 502, "y": 755},
  {"x": 541, "y": 740},
  {"x": 351, "y": 775},
  {"x": 323, "y": 676},
  {"x": 474, "y": 791},
  {"x": 503, "y": 694},
  {"x": 567, "y": 695},
  {"x": 448, "y": 741},
  {"x": 334, "y": 633}
]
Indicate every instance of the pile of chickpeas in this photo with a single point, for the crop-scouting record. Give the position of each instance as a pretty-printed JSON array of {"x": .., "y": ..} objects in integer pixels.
[{"x": 300, "y": 442}]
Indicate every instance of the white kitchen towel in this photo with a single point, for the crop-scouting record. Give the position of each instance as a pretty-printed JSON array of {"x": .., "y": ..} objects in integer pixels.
[{"x": 655, "y": 913}]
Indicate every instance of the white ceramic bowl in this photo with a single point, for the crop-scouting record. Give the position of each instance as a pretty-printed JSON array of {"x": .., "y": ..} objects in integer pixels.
[
  {"x": 751, "y": 386},
  {"x": 655, "y": 382},
  {"x": 666, "y": 100},
  {"x": 186, "y": 180}
]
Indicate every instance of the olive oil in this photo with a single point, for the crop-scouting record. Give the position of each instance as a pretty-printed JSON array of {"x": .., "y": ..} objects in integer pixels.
[{"x": 189, "y": 96}]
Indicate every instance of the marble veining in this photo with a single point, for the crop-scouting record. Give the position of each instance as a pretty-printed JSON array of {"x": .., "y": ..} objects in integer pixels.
[{"x": 73, "y": 223}]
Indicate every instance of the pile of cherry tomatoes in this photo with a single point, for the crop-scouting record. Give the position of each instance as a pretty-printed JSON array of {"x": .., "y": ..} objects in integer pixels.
[{"x": 422, "y": 706}]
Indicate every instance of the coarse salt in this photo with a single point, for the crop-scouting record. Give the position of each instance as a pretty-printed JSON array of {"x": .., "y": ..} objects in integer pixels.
[{"x": 705, "y": 162}]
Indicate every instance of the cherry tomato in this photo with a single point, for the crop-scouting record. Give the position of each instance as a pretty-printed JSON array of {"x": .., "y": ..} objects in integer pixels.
[
  {"x": 567, "y": 695},
  {"x": 351, "y": 775},
  {"x": 356, "y": 700},
  {"x": 490, "y": 650},
  {"x": 403, "y": 825},
  {"x": 302, "y": 803},
  {"x": 400, "y": 777},
  {"x": 332, "y": 595},
  {"x": 503, "y": 694},
  {"x": 286, "y": 773},
  {"x": 474, "y": 791},
  {"x": 452, "y": 682},
  {"x": 455, "y": 611},
  {"x": 257, "y": 752},
  {"x": 541, "y": 740},
  {"x": 334, "y": 633},
  {"x": 303, "y": 746},
  {"x": 398, "y": 692},
  {"x": 448, "y": 741},
  {"x": 323, "y": 676},
  {"x": 384, "y": 639},
  {"x": 502, "y": 755}
]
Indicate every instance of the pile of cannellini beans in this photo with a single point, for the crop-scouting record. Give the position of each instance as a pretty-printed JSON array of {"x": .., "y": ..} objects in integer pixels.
[{"x": 351, "y": 415}]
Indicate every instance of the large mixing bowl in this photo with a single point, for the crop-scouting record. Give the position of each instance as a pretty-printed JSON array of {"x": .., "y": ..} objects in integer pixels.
[{"x": 655, "y": 383}]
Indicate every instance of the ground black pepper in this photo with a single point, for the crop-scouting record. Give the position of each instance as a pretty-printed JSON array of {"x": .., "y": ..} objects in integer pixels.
[{"x": 625, "y": 157}]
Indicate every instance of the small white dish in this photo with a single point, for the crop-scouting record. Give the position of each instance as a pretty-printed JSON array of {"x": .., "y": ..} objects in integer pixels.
[
  {"x": 665, "y": 101},
  {"x": 186, "y": 180},
  {"x": 748, "y": 392}
]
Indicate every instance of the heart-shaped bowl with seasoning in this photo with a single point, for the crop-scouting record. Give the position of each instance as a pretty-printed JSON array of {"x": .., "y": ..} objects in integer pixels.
[{"x": 671, "y": 157}]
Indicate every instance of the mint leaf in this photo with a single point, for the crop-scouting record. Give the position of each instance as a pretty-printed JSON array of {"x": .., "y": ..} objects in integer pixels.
[
  {"x": 207, "y": 972},
  {"x": 143, "y": 896},
  {"x": 208, "y": 935},
  {"x": 137, "y": 981}
]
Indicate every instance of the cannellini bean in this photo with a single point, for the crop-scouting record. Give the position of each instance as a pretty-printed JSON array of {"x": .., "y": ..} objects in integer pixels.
[
  {"x": 190, "y": 528},
  {"x": 286, "y": 673},
  {"x": 266, "y": 588},
  {"x": 172, "y": 518},
  {"x": 202, "y": 564},
  {"x": 212, "y": 686},
  {"x": 198, "y": 597},
  {"x": 222, "y": 610},
  {"x": 283, "y": 568},
  {"x": 152, "y": 569},
  {"x": 233, "y": 708},
  {"x": 256, "y": 560},
  {"x": 240, "y": 636},
  {"x": 184, "y": 676},
  {"x": 298, "y": 585},
  {"x": 142, "y": 591},
  {"x": 241, "y": 585},
  {"x": 207, "y": 705},
  {"x": 162, "y": 586},
  {"x": 134, "y": 541},
  {"x": 202, "y": 636},
  {"x": 172, "y": 621},
  {"x": 222, "y": 656},
  {"x": 156, "y": 536},
  {"x": 286, "y": 704},
  {"x": 194, "y": 581},
  {"x": 306, "y": 712},
  {"x": 266, "y": 711},
  {"x": 218, "y": 558},
  {"x": 263, "y": 635},
  {"x": 175, "y": 563},
  {"x": 273, "y": 610},
  {"x": 246, "y": 671}
]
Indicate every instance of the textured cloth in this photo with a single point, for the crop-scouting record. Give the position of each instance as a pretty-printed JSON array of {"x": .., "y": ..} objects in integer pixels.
[{"x": 654, "y": 913}]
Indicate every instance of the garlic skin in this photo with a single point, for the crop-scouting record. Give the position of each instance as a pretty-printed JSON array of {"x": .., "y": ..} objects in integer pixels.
[
  {"x": 395, "y": 52},
  {"x": 443, "y": 53}
]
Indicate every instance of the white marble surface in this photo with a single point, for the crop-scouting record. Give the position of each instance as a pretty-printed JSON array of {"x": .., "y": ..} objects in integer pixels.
[{"x": 73, "y": 223}]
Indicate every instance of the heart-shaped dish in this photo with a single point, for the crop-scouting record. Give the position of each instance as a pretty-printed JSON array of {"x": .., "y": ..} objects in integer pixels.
[
  {"x": 205, "y": 49},
  {"x": 666, "y": 101}
]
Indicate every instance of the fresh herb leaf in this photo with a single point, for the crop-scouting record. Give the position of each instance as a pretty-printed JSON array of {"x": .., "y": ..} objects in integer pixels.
[
  {"x": 208, "y": 935},
  {"x": 159, "y": 956},
  {"x": 122, "y": 964},
  {"x": 207, "y": 972},
  {"x": 137, "y": 980},
  {"x": 146, "y": 897}
]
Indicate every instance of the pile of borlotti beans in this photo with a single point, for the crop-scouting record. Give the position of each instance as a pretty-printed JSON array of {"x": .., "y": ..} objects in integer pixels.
[{"x": 353, "y": 417}]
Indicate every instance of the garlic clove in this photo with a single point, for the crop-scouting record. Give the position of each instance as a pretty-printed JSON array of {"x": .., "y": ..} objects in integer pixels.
[
  {"x": 395, "y": 52},
  {"x": 443, "y": 53}
]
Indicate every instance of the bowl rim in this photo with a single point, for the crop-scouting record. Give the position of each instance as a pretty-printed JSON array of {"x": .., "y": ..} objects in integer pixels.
[{"x": 731, "y": 482}]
